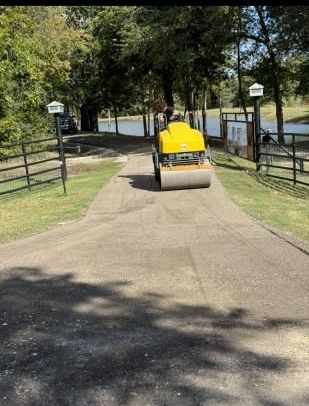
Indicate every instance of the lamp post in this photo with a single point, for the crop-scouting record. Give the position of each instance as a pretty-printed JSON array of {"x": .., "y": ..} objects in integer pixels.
[
  {"x": 256, "y": 91},
  {"x": 57, "y": 108}
]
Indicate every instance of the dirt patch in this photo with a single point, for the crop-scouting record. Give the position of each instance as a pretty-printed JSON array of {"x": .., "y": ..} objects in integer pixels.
[{"x": 77, "y": 166}]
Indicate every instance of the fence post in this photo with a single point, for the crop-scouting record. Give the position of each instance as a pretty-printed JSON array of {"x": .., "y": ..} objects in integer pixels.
[
  {"x": 60, "y": 144},
  {"x": 26, "y": 164},
  {"x": 257, "y": 129},
  {"x": 61, "y": 152},
  {"x": 294, "y": 160}
]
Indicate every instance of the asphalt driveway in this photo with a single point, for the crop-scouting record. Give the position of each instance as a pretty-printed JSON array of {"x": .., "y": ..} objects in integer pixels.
[{"x": 155, "y": 298}]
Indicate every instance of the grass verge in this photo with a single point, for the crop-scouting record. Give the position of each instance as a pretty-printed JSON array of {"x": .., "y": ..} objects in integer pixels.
[
  {"x": 273, "y": 202},
  {"x": 39, "y": 210}
]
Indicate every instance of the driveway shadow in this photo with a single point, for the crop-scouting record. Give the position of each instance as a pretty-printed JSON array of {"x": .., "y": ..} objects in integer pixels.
[
  {"x": 144, "y": 182},
  {"x": 71, "y": 343}
]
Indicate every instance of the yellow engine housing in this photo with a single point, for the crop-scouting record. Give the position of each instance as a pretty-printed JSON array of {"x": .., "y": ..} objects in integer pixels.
[{"x": 180, "y": 137}]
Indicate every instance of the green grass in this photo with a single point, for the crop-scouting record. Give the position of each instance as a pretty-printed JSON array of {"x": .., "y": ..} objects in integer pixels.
[
  {"x": 36, "y": 211},
  {"x": 276, "y": 203}
]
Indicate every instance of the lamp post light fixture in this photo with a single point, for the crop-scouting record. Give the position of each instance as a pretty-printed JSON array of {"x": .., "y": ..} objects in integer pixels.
[
  {"x": 256, "y": 91},
  {"x": 56, "y": 109}
]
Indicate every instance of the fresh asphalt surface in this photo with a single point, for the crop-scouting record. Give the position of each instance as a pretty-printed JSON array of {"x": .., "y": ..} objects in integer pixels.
[{"x": 155, "y": 298}]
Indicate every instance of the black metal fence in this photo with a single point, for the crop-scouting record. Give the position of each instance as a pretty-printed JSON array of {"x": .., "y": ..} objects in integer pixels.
[
  {"x": 288, "y": 161},
  {"x": 30, "y": 164}
]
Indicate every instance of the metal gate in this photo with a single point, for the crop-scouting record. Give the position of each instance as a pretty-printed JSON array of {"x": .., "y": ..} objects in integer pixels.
[
  {"x": 31, "y": 164},
  {"x": 238, "y": 134},
  {"x": 288, "y": 161}
]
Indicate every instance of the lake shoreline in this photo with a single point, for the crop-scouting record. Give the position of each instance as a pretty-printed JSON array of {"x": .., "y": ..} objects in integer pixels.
[
  {"x": 292, "y": 115},
  {"x": 135, "y": 127}
]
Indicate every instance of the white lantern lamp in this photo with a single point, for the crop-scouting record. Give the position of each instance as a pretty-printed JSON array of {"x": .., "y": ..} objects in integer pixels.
[{"x": 55, "y": 107}]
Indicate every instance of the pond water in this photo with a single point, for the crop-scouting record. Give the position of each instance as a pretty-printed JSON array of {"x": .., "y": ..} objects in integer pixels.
[{"x": 135, "y": 127}]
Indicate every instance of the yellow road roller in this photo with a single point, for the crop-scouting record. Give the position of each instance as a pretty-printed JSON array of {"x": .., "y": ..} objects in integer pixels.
[{"x": 180, "y": 158}]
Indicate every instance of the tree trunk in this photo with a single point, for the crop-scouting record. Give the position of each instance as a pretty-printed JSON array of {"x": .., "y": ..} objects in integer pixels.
[
  {"x": 145, "y": 124},
  {"x": 198, "y": 117},
  {"x": 156, "y": 126},
  {"x": 191, "y": 109},
  {"x": 204, "y": 112},
  {"x": 89, "y": 117},
  {"x": 84, "y": 119},
  {"x": 95, "y": 120},
  {"x": 279, "y": 111},
  {"x": 109, "y": 120},
  {"x": 220, "y": 112},
  {"x": 116, "y": 121},
  {"x": 240, "y": 91},
  {"x": 194, "y": 109},
  {"x": 167, "y": 85},
  {"x": 148, "y": 118},
  {"x": 144, "y": 110},
  {"x": 276, "y": 76}
]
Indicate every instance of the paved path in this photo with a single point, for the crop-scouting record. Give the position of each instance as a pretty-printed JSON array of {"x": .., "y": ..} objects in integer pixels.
[{"x": 154, "y": 298}]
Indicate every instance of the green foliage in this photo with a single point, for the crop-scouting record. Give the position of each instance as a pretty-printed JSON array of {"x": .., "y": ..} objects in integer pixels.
[
  {"x": 10, "y": 130},
  {"x": 117, "y": 37},
  {"x": 34, "y": 66},
  {"x": 117, "y": 57},
  {"x": 276, "y": 52}
]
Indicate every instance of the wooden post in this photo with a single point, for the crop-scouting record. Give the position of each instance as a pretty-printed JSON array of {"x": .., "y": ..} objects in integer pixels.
[
  {"x": 26, "y": 164},
  {"x": 61, "y": 152}
]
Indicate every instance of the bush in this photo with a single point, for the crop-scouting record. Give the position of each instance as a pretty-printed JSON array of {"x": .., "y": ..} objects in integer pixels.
[
  {"x": 10, "y": 130},
  {"x": 35, "y": 125},
  {"x": 25, "y": 126}
]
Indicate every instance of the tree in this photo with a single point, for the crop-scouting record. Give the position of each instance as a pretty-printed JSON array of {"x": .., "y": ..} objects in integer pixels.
[
  {"x": 34, "y": 66},
  {"x": 117, "y": 36},
  {"x": 272, "y": 30},
  {"x": 296, "y": 41},
  {"x": 238, "y": 30},
  {"x": 185, "y": 46}
]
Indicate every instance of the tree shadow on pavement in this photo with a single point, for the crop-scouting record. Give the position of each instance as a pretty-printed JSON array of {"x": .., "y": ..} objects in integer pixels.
[
  {"x": 143, "y": 182},
  {"x": 72, "y": 343},
  {"x": 121, "y": 143}
]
